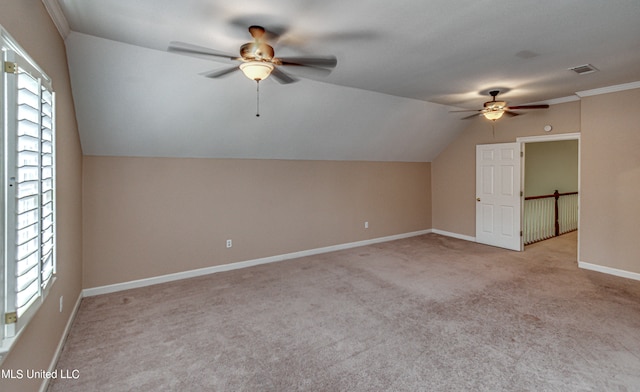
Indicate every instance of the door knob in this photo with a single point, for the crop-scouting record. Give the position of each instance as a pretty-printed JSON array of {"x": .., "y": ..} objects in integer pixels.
[{"x": 478, "y": 199}]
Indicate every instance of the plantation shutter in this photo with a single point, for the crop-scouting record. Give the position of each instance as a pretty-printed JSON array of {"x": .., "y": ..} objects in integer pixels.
[{"x": 30, "y": 179}]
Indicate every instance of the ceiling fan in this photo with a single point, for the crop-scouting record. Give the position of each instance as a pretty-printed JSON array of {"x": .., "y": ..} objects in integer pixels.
[
  {"x": 493, "y": 109},
  {"x": 257, "y": 59}
]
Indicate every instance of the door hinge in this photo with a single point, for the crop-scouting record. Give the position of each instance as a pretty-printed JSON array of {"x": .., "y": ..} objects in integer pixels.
[
  {"x": 521, "y": 154},
  {"x": 11, "y": 318},
  {"x": 10, "y": 67},
  {"x": 521, "y": 194},
  {"x": 520, "y": 233}
]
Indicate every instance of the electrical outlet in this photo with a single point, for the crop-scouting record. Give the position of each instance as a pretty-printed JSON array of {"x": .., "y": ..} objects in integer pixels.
[
  {"x": 61, "y": 302},
  {"x": 366, "y": 225},
  {"x": 229, "y": 244}
]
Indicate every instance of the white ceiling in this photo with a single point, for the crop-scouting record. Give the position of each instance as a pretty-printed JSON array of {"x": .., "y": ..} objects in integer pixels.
[{"x": 399, "y": 63}]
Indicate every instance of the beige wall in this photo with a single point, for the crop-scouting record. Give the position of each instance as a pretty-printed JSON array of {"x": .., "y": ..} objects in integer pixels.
[
  {"x": 609, "y": 174},
  {"x": 610, "y": 180},
  {"x": 453, "y": 171},
  {"x": 145, "y": 217},
  {"x": 28, "y": 22}
]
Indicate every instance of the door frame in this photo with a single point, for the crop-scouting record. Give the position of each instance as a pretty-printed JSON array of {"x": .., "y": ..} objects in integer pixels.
[{"x": 549, "y": 138}]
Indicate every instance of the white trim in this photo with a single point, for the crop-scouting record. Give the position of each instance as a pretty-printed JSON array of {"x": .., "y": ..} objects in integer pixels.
[
  {"x": 63, "y": 339},
  {"x": 10, "y": 43},
  {"x": 588, "y": 93},
  {"x": 57, "y": 16},
  {"x": 609, "y": 270},
  {"x": 454, "y": 235},
  {"x": 555, "y": 101},
  {"x": 570, "y": 98},
  {"x": 609, "y": 89},
  {"x": 112, "y": 288},
  {"x": 549, "y": 138}
]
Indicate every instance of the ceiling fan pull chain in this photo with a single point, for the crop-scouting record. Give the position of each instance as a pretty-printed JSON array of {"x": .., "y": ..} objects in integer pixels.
[{"x": 257, "y": 97}]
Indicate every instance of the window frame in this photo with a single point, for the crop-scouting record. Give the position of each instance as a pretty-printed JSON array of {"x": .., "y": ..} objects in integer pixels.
[{"x": 9, "y": 169}]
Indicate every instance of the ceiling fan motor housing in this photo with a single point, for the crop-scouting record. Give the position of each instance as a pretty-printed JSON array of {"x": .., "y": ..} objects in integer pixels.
[
  {"x": 256, "y": 51},
  {"x": 495, "y": 105}
]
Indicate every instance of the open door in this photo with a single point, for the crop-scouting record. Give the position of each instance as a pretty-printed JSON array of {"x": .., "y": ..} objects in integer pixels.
[{"x": 498, "y": 195}]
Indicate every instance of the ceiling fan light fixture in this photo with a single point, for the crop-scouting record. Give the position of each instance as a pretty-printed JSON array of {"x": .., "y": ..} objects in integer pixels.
[
  {"x": 493, "y": 110},
  {"x": 256, "y": 70},
  {"x": 493, "y": 115}
]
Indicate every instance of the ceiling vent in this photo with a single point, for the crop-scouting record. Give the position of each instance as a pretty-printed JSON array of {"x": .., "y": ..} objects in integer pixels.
[{"x": 584, "y": 69}]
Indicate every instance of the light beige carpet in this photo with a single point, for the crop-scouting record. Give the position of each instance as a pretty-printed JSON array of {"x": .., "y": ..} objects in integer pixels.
[{"x": 428, "y": 313}]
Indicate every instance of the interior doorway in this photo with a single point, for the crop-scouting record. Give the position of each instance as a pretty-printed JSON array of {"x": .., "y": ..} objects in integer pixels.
[{"x": 542, "y": 179}]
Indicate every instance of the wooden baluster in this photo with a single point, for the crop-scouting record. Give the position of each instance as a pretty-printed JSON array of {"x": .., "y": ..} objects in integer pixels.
[{"x": 556, "y": 195}]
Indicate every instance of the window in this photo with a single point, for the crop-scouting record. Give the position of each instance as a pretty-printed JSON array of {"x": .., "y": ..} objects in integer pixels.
[{"x": 28, "y": 188}]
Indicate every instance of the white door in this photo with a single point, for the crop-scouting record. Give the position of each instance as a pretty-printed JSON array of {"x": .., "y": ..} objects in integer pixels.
[{"x": 498, "y": 195}]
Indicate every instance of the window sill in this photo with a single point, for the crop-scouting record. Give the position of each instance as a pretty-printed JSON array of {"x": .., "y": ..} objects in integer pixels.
[{"x": 7, "y": 343}]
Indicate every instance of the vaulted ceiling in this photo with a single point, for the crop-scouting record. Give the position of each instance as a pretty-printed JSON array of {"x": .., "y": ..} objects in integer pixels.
[{"x": 402, "y": 66}]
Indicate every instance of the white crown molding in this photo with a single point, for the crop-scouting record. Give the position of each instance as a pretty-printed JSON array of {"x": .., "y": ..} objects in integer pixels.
[
  {"x": 609, "y": 89},
  {"x": 555, "y": 101},
  {"x": 588, "y": 93},
  {"x": 54, "y": 10}
]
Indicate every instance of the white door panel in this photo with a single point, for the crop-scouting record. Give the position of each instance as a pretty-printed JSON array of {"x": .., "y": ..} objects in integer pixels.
[{"x": 498, "y": 195}]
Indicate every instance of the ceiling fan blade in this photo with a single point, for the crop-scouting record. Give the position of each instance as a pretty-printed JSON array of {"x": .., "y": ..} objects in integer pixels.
[
  {"x": 220, "y": 73},
  {"x": 299, "y": 40},
  {"x": 274, "y": 32},
  {"x": 468, "y": 110},
  {"x": 282, "y": 77},
  {"x": 511, "y": 114},
  {"x": 186, "y": 48},
  {"x": 471, "y": 116},
  {"x": 528, "y": 107},
  {"x": 321, "y": 62},
  {"x": 311, "y": 71}
]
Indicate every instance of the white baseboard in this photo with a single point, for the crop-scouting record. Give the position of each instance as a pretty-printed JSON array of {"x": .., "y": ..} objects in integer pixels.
[
  {"x": 242, "y": 264},
  {"x": 454, "y": 235},
  {"x": 609, "y": 270},
  {"x": 63, "y": 339}
]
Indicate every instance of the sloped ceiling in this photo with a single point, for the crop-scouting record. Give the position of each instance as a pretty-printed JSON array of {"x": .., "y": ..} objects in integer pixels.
[
  {"x": 135, "y": 101},
  {"x": 399, "y": 65}
]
